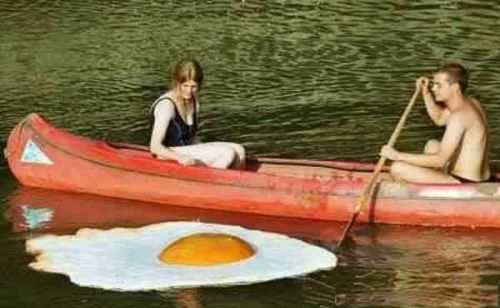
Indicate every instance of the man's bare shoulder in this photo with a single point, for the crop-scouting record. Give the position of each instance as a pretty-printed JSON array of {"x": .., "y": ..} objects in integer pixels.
[
  {"x": 477, "y": 108},
  {"x": 474, "y": 102},
  {"x": 459, "y": 116},
  {"x": 469, "y": 114},
  {"x": 462, "y": 117}
]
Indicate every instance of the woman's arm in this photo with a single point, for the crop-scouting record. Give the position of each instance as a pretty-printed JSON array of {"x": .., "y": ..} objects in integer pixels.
[{"x": 163, "y": 114}]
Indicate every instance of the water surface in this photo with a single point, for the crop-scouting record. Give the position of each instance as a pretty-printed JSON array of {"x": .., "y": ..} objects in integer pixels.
[{"x": 305, "y": 79}]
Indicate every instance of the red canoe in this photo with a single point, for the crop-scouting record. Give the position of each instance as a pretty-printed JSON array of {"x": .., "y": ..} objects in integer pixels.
[{"x": 41, "y": 155}]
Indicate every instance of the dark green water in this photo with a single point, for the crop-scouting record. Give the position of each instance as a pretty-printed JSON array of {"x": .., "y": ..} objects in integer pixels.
[{"x": 308, "y": 79}]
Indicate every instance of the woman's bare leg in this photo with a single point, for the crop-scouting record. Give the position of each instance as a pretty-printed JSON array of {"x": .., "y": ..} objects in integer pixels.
[
  {"x": 209, "y": 154},
  {"x": 240, "y": 159}
]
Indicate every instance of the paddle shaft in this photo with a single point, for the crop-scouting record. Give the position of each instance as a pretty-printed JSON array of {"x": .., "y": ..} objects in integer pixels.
[{"x": 370, "y": 187}]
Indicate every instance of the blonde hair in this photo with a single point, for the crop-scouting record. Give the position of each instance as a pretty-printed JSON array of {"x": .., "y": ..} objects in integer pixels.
[{"x": 186, "y": 70}]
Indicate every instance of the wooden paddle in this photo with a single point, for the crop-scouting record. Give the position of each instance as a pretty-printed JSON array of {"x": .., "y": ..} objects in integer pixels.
[{"x": 370, "y": 187}]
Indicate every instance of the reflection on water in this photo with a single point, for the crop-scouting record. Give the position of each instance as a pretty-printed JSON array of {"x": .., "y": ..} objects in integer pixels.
[
  {"x": 409, "y": 267},
  {"x": 384, "y": 266},
  {"x": 188, "y": 298},
  {"x": 309, "y": 79}
]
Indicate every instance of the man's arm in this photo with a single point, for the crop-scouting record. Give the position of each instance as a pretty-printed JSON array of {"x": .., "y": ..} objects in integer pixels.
[
  {"x": 450, "y": 142},
  {"x": 438, "y": 114}
]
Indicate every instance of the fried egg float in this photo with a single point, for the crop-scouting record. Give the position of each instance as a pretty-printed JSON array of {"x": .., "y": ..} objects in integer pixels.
[{"x": 175, "y": 255}]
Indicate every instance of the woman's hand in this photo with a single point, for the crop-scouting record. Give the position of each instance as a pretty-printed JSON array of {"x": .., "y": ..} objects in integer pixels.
[
  {"x": 186, "y": 160},
  {"x": 389, "y": 152}
]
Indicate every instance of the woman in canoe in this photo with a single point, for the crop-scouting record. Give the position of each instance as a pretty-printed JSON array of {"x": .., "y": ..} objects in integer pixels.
[{"x": 175, "y": 121}]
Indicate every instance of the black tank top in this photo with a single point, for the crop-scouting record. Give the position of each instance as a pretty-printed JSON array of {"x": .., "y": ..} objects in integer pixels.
[{"x": 178, "y": 132}]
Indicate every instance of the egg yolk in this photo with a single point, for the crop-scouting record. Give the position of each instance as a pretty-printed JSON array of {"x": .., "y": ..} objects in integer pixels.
[{"x": 206, "y": 249}]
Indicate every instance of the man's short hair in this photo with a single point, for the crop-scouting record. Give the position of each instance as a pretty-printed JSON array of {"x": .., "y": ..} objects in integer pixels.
[{"x": 456, "y": 74}]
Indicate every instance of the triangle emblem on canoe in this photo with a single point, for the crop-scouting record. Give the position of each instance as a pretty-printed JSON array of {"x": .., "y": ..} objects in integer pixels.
[{"x": 33, "y": 154}]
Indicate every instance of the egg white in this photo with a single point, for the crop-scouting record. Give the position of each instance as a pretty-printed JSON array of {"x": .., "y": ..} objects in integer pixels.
[{"x": 127, "y": 259}]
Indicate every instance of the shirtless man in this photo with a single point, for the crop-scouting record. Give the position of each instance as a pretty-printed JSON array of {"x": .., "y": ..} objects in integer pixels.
[{"x": 462, "y": 154}]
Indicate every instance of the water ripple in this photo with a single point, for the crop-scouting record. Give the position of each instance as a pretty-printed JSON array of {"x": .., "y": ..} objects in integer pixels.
[{"x": 317, "y": 79}]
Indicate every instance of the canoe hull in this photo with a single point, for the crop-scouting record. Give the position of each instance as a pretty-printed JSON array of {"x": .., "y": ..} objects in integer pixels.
[{"x": 40, "y": 155}]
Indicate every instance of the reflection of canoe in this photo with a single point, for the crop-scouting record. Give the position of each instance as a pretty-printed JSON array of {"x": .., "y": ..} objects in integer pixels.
[
  {"x": 50, "y": 211},
  {"x": 43, "y": 210},
  {"x": 43, "y": 156}
]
